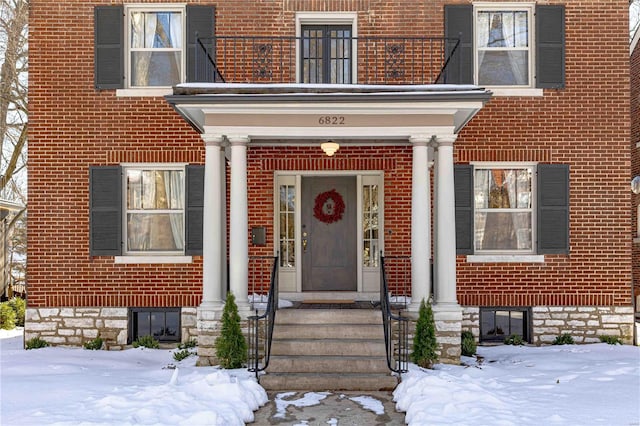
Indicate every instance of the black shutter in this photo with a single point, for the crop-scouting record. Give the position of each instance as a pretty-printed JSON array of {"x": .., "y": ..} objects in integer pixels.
[
  {"x": 553, "y": 209},
  {"x": 200, "y": 20},
  {"x": 463, "y": 181},
  {"x": 105, "y": 211},
  {"x": 550, "y": 51},
  {"x": 194, "y": 210},
  {"x": 108, "y": 47},
  {"x": 458, "y": 22}
]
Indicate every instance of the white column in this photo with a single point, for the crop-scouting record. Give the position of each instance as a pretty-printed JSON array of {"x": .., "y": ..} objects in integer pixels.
[
  {"x": 420, "y": 223},
  {"x": 445, "y": 259},
  {"x": 239, "y": 223},
  {"x": 212, "y": 235}
]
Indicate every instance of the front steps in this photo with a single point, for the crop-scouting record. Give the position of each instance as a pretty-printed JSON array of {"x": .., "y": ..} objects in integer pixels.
[{"x": 328, "y": 350}]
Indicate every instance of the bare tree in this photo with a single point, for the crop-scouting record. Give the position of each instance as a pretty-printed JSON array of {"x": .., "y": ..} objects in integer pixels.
[
  {"x": 634, "y": 17},
  {"x": 13, "y": 133}
]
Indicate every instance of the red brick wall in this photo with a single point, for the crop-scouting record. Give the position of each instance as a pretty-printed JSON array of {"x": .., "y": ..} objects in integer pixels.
[
  {"x": 73, "y": 126},
  {"x": 635, "y": 159}
]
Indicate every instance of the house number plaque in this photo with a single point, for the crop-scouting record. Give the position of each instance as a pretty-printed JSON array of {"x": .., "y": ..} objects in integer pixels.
[{"x": 331, "y": 120}]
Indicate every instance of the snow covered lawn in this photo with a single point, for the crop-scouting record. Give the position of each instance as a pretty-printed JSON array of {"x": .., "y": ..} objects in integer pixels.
[
  {"x": 596, "y": 384},
  {"x": 559, "y": 385}
]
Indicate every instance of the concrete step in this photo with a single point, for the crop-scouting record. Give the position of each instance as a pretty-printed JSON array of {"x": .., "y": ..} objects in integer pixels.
[
  {"x": 328, "y": 382},
  {"x": 328, "y": 316},
  {"x": 328, "y": 364},
  {"x": 330, "y": 347},
  {"x": 324, "y": 331}
]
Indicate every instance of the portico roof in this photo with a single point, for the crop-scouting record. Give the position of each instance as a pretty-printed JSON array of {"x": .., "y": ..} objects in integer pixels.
[{"x": 312, "y": 111}]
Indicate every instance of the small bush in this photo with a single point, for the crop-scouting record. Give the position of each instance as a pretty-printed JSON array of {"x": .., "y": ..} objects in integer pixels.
[
  {"x": 36, "y": 343},
  {"x": 94, "y": 345},
  {"x": 514, "y": 339},
  {"x": 146, "y": 342},
  {"x": 424, "y": 341},
  {"x": 19, "y": 306},
  {"x": 180, "y": 355},
  {"x": 563, "y": 339},
  {"x": 468, "y": 344},
  {"x": 188, "y": 344},
  {"x": 231, "y": 346},
  {"x": 7, "y": 316},
  {"x": 612, "y": 340}
]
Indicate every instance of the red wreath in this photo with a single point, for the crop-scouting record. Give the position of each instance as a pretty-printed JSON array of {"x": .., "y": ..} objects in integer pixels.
[{"x": 334, "y": 214}]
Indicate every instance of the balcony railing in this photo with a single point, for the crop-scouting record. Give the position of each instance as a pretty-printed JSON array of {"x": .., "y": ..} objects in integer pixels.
[{"x": 377, "y": 60}]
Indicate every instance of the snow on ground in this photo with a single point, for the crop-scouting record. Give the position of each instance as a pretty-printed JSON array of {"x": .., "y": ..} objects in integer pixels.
[
  {"x": 596, "y": 384},
  {"x": 557, "y": 385},
  {"x": 74, "y": 386}
]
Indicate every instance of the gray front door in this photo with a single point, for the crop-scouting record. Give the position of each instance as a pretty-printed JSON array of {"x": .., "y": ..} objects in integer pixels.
[{"x": 329, "y": 245}]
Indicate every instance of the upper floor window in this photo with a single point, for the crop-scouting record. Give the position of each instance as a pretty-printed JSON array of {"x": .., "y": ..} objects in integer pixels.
[
  {"x": 513, "y": 45},
  {"x": 503, "y": 56},
  {"x": 156, "y": 46},
  {"x": 148, "y": 46},
  {"x": 326, "y": 54}
]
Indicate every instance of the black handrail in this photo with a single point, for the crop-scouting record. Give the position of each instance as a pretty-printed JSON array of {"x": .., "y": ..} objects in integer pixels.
[
  {"x": 272, "y": 59},
  {"x": 260, "y": 331},
  {"x": 396, "y": 336}
]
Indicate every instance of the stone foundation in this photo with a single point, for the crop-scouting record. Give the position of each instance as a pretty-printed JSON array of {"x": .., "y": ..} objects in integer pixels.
[
  {"x": 584, "y": 323},
  {"x": 76, "y": 326}
]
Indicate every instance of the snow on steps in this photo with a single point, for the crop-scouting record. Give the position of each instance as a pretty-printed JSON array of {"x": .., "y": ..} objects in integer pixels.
[{"x": 327, "y": 349}]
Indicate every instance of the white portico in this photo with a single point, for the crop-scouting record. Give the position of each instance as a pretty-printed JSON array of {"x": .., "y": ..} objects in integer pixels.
[{"x": 233, "y": 117}]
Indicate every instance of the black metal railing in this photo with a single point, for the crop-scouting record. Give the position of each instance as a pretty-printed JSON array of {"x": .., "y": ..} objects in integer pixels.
[
  {"x": 260, "y": 328},
  {"x": 377, "y": 60},
  {"x": 396, "y": 328}
]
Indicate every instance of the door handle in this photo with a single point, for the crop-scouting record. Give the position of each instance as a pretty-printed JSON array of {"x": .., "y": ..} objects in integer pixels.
[{"x": 304, "y": 241}]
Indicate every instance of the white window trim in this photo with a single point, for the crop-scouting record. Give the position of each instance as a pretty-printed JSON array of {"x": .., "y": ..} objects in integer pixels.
[
  {"x": 329, "y": 18},
  {"x": 132, "y": 259},
  {"x": 160, "y": 257},
  {"x": 508, "y": 6},
  {"x": 508, "y": 255},
  {"x": 150, "y": 7}
]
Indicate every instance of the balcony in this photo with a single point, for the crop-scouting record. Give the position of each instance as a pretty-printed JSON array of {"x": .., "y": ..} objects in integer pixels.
[{"x": 335, "y": 60}]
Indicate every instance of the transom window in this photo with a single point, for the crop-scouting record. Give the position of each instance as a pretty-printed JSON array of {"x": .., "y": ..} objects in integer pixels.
[
  {"x": 154, "y": 217},
  {"x": 326, "y": 54},
  {"x": 503, "y": 209},
  {"x": 503, "y": 40},
  {"x": 156, "y": 46}
]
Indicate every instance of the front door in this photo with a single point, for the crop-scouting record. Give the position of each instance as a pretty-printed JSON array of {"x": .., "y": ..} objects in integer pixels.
[{"x": 329, "y": 244}]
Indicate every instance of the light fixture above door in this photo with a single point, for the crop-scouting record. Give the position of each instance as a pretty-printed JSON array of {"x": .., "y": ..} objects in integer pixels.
[{"x": 329, "y": 147}]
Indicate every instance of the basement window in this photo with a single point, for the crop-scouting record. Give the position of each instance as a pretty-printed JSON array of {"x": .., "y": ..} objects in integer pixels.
[
  {"x": 161, "y": 323},
  {"x": 496, "y": 324}
]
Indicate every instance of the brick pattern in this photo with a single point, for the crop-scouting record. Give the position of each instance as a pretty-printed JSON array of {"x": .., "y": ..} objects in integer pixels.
[
  {"x": 635, "y": 164},
  {"x": 585, "y": 125}
]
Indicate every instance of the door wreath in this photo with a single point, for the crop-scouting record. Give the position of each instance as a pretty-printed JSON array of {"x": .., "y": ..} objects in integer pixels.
[{"x": 329, "y": 207}]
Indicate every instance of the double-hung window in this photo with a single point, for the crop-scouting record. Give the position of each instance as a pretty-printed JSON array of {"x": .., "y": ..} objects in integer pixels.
[
  {"x": 147, "y": 212},
  {"x": 156, "y": 46},
  {"x": 154, "y": 217},
  {"x": 503, "y": 40},
  {"x": 512, "y": 209},
  {"x": 510, "y": 45},
  {"x": 503, "y": 209},
  {"x": 148, "y": 46}
]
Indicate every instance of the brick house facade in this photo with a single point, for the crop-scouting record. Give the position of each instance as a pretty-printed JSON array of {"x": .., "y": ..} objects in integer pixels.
[
  {"x": 634, "y": 52},
  {"x": 541, "y": 165}
]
